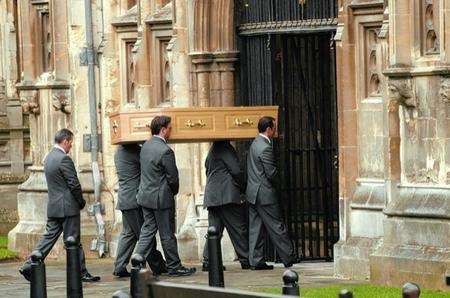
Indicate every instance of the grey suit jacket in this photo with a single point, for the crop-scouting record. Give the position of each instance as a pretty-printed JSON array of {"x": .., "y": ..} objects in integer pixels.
[
  {"x": 128, "y": 168},
  {"x": 261, "y": 172},
  {"x": 224, "y": 177},
  {"x": 65, "y": 197},
  {"x": 159, "y": 175}
]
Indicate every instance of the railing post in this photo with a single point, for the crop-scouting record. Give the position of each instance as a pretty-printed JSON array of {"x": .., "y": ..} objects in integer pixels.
[
  {"x": 137, "y": 262},
  {"x": 74, "y": 285},
  {"x": 345, "y": 294},
  {"x": 290, "y": 283},
  {"x": 215, "y": 273},
  {"x": 38, "y": 287},
  {"x": 410, "y": 290}
]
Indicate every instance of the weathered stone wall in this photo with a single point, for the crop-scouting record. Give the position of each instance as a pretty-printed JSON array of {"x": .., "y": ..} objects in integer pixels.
[
  {"x": 148, "y": 55},
  {"x": 395, "y": 198},
  {"x": 14, "y": 134}
]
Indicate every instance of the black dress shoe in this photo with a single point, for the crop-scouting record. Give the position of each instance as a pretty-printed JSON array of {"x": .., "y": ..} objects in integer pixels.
[
  {"x": 163, "y": 269},
  {"x": 205, "y": 267},
  {"x": 182, "y": 271},
  {"x": 288, "y": 265},
  {"x": 122, "y": 273},
  {"x": 245, "y": 265},
  {"x": 25, "y": 270},
  {"x": 262, "y": 266},
  {"x": 87, "y": 277}
]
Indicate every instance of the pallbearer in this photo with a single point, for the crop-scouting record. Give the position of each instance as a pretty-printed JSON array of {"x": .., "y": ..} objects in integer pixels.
[
  {"x": 65, "y": 200},
  {"x": 157, "y": 189},
  {"x": 264, "y": 211},
  {"x": 128, "y": 170},
  {"x": 224, "y": 184}
]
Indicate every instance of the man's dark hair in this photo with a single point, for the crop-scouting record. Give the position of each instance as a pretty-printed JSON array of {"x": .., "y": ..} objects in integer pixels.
[
  {"x": 265, "y": 122},
  {"x": 158, "y": 123},
  {"x": 63, "y": 134}
]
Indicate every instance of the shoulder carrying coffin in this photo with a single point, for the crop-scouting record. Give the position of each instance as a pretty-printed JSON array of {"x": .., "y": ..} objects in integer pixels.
[{"x": 194, "y": 124}]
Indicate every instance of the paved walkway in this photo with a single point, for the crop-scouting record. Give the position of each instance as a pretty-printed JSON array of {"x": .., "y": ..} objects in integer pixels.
[{"x": 12, "y": 284}]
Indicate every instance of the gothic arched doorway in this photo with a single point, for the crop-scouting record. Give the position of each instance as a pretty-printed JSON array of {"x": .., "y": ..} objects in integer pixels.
[{"x": 287, "y": 58}]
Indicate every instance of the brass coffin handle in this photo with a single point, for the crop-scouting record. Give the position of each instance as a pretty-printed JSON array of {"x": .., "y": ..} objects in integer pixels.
[
  {"x": 238, "y": 122},
  {"x": 138, "y": 125},
  {"x": 115, "y": 126},
  {"x": 199, "y": 123}
]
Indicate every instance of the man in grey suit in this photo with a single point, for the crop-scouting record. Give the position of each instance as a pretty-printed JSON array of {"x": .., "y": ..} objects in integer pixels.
[
  {"x": 159, "y": 184},
  {"x": 264, "y": 211},
  {"x": 128, "y": 170},
  {"x": 65, "y": 200},
  {"x": 224, "y": 185}
]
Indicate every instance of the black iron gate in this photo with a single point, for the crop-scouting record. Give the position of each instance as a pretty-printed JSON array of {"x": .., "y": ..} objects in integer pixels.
[{"x": 296, "y": 71}]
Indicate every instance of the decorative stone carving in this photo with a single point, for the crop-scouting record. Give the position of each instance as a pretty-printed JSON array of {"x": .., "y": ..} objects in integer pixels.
[
  {"x": 373, "y": 67},
  {"x": 43, "y": 39},
  {"x": 430, "y": 40},
  {"x": 2, "y": 89},
  {"x": 61, "y": 101},
  {"x": 112, "y": 106},
  {"x": 165, "y": 71},
  {"x": 30, "y": 101},
  {"x": 444, "y": 91},
  {"x": 130, "y": 70},
  {"x": 401, "y": 91}
]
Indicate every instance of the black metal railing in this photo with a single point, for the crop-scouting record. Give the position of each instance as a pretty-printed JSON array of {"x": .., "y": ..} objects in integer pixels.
[{"x": 260, "y": 11}]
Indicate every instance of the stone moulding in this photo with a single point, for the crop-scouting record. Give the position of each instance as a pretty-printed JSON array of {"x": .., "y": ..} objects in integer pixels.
[
  {"x": 128, "y": 20},
  {"x": 369, "y": 196},
  {"x": 421, "y": 202},
  {"x": 409, "y": 71},
  {"x": 288, "y": 26},
  {"x": 162, "y": 15}
]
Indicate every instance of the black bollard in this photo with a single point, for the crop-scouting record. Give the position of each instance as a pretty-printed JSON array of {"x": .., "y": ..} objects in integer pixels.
[
  {"x": 74, "y": 286},
  {"x": 215, "y": 273},
  {"x": 290, "y": 283},
  {"x": 120, "y": 294},
  {"x": 137, "y": 263},
  {"x": 410, "y": 290},
  {"x": 38, "y": 287},
  {"x": 345, "y": 294}
]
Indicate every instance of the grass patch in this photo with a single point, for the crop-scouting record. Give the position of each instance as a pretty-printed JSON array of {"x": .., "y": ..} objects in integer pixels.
[
  {"x": 359, "y": 291},
  {"x": 5, "y": 253}
]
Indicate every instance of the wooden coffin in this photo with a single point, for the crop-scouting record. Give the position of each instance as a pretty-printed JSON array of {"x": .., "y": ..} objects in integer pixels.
[{"x": 192, "y": 124}]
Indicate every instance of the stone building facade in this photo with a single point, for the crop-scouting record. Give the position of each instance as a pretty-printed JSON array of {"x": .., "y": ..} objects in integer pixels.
[
  {"x": 393, "y": 75},
  {"x": 393, "y": 104},
  {"x": 14, "y": 131}
]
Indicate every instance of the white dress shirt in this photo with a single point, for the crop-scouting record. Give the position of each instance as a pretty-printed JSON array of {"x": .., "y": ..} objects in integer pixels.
[
  {"x": 265, "y": 137},
  {"x": 160, "y": 138},
  {"x": 60, "y": 148}
]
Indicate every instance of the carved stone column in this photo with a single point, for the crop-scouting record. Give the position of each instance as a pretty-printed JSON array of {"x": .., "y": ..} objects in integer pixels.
[
  {"x": 47, "y": 97},
  {"x": 212, "y": 54}
]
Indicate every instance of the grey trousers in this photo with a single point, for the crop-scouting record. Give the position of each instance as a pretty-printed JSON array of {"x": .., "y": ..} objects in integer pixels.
[
  {"x": 264, "y": 218},
  {"x": 162, "y": 220},
  {"x": 69, "y": 226},
  {"x": 133, "y": 220},
  {"x": 233, "y": 218}
]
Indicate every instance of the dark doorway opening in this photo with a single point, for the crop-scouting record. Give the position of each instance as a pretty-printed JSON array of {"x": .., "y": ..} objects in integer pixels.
[{"x": 297, "y": 73}]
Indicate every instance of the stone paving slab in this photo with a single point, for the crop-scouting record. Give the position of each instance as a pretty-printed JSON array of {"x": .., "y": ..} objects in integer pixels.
[{"x": 12, "y": 284}]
